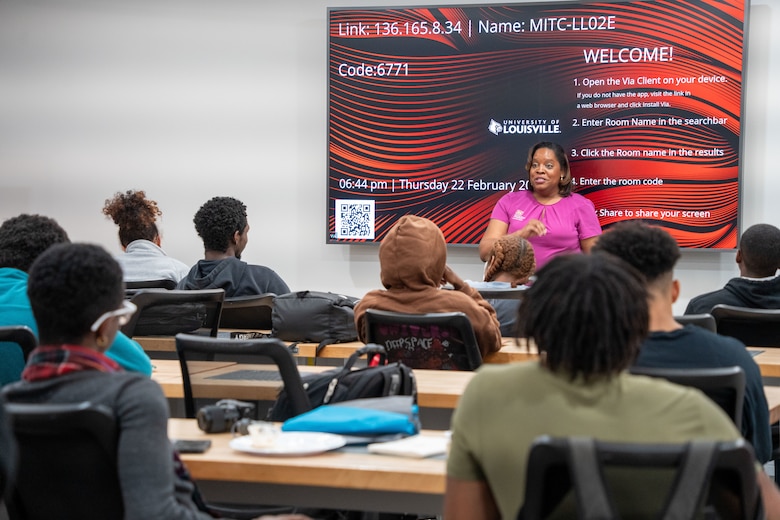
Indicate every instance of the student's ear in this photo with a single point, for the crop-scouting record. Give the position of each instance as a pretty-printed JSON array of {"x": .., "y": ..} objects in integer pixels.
[
  {"x": 236, "y": 236},
  {"x": 675, "y": 290},
  {"x": 738, "y": 259},
  {"x": 106, "y": 334}
]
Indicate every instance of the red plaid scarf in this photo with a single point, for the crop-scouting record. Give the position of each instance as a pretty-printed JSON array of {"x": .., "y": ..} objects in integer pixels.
[{"x": 49, "y": 361}]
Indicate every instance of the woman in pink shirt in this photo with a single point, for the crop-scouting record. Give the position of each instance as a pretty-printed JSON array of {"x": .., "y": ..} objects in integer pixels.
[{"x": 552, "y": 218}]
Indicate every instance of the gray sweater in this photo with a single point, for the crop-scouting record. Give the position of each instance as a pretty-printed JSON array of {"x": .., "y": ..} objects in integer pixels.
[{"x": 150, "y": 487}]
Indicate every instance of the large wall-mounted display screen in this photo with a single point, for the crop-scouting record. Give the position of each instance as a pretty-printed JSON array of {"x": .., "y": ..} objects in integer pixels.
[{"x": 432, "y": 110}]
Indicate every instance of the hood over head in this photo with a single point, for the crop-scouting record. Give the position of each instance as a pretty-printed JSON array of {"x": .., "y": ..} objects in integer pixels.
[{"x": 413, "y": 255}]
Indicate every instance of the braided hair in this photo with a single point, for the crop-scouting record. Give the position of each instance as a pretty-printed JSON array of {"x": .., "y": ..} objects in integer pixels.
[{"x": 511, "y": 254}]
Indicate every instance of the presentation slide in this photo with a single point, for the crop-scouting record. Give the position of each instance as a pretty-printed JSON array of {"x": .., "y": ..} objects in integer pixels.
[{"x": 432, "y": 111}]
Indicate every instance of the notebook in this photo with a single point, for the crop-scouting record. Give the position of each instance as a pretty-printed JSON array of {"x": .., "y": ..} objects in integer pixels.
[{"x": 416, "y": 446}]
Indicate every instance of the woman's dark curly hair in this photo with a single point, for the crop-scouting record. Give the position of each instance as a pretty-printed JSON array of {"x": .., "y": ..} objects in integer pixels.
[
  {"x": 70, "y": 286},
  {"x": 587, "y": 315},
  {"x": 134, "y": 214},
  {"x": 511, "y": 254},
  {"x": 25, "y": 237},
  {"x": 217, "y": 220}
]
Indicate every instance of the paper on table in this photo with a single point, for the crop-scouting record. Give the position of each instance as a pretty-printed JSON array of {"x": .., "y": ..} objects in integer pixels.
[{"x": 416, "y": 446}]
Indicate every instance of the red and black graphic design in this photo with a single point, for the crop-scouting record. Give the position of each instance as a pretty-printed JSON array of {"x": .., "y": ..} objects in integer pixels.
[{"x": 432, "y": 111}]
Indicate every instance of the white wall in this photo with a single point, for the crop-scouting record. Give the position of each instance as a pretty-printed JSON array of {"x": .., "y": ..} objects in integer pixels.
[{"x": 188, "y": 99}]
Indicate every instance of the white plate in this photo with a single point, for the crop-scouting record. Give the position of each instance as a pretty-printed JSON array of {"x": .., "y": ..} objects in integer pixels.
[{"x": 291, "y": 444}]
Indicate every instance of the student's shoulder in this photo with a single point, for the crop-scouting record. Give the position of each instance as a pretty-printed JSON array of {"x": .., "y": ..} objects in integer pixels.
[
  {"x": 703, "y": 303},
  {"x": 137, "y": 389},
  {"x": 499, "y": 375},
  {"x": 697, "y": 333}
]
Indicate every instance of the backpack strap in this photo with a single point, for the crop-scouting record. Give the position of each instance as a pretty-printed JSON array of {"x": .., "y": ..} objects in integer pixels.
[
  {"x": 371, "y": 348},
  {"x": 322, "y": 344}
]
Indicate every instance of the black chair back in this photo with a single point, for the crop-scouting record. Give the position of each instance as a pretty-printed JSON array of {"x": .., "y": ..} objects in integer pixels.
[
  {"x": 705, "y": 321},
  {"x": 133, "y": 287},
  {"x": 508, "y": 293},
  {"x": 67, "y": 462},
  {"x": 22, "y": 336},
  {"x": 724, "y": 385},
  {"x": 7, "y": 453},
  {"x": 248, "y": 312},
  {"x": 163, "y": 312},
  {"x": 261, "y": 350},
  {"x": 443, "y": 340},
  {"x": 753, "y": 327},
  {"x": 719, "y": 476}
]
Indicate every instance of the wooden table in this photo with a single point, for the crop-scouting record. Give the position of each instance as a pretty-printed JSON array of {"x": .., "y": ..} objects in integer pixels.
[
  {"x": 772, "y": 394},
  {"x": 435, "y": 388},
  {"x": 768, "y": 360},
  {"x": 510, "y": 352},
  {"x": 346, "y": 479},
  {"x": 305, "y": 350},
  {"x": 439, "y": 389},
  {"x": 350, "y": 478}
]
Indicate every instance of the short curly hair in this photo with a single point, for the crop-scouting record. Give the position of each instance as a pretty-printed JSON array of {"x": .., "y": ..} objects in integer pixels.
[
  {"x": 23, "y": 238},
  {"x": 217, "y": 220},
  {"x": 70, "y": 286},
  {"x": 760, "y": 246},
  {"x": 511, "y": 254},
  {"x": 134, "y": 214},
  {"x": 649, "y": 249},
  {"x": 588, "y": 314}
]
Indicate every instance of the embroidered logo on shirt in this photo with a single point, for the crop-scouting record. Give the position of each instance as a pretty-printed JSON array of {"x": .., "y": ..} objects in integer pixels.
[{"x": 518, "y": 215}]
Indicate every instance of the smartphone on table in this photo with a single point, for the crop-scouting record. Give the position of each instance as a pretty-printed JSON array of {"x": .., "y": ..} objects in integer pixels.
[{"x": 191, "y": 445}]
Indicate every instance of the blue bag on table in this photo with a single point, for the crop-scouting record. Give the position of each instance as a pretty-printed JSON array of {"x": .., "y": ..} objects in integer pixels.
[{"x": 393, "y": 415}]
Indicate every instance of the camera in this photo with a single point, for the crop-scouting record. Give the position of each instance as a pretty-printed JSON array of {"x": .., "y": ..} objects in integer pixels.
[{"x": 221, "y": 417}]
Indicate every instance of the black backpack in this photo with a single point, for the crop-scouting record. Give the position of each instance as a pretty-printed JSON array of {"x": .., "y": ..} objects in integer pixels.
[
  {"x": 345, "y": 384},
  {"x": 314, "y": 317}
]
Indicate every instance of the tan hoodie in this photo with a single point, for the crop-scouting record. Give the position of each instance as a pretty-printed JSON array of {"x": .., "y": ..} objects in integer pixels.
[{"x": 413, "y": 260}]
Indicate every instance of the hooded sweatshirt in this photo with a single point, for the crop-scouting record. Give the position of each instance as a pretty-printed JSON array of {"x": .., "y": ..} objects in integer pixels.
[
  {"x": 413, "y": 258},
  {"x": 237, "y": 278},
  {"x": 741, "y": 292}
]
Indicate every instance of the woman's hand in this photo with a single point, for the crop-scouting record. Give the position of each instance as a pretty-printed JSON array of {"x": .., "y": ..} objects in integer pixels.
[{"x": 534, "y": 228}]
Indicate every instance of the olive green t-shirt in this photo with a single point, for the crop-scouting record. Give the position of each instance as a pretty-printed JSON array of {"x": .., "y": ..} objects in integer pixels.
[{"x": 505, "y": 407}]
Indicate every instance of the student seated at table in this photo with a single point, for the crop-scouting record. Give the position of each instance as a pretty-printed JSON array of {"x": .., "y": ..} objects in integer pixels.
[
  {"x": 22, "y": 239},
  {"x": 143, "y": 259},
  {"x": 222, "y": 224},
  {"x": 758, "y": 285},
  {"x": 587, "y": 314},
  {"x": 77, "y": 322},
  {"x": 654, "y": 253},
  {"x": 413, "y": 267},
  {"x": 510, "y": 264}
]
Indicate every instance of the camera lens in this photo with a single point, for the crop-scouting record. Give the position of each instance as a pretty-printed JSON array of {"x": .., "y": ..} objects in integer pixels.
[{"x": 211, "y": 419}]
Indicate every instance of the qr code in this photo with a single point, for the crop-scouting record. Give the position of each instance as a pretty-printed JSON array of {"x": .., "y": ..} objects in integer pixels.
[{"x": 355, "y": 219}]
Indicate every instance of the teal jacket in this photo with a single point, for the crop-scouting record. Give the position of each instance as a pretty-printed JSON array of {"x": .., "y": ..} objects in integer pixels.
[{"x": 15, "y": 310}]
